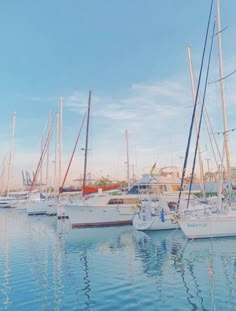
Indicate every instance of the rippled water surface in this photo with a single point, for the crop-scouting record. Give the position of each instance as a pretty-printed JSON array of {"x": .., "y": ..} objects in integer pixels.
[{"x": 115, "y": 268}]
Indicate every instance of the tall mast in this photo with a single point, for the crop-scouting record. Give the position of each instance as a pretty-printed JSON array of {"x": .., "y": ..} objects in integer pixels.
[
  {"x": 86, "y": 143},
  {"x": 196, "y": 122},
  {"x": 41, "y": 167},
  {"x": 55, "y": 158},
  {"x": 48, "y": 151},
  {"x": 127, "y": 157},
  {"x": 226, "y": 135},
  {"x": 11, "y": 152},
  {"x": 3, "y": 174},
  {"x": 60, "y": 140}
]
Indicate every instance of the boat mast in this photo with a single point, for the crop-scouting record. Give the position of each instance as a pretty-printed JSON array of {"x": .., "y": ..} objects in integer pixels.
[
  {"x": 48, "y": 152},
  {"x": 11, "y": 152},
  {"x": 226, "y": 135},
  {"x": 86, "y": 143},
  {"x": 60, "y": 140},
  {"x": 3, "y": 174},
  {"x": 55, "y": 157},
  {"x": 193, "y": 114},
  {"x": 127, "y": 156},
  {"x": 41, "y": 168},
  {"x": 196, "y": 122}
]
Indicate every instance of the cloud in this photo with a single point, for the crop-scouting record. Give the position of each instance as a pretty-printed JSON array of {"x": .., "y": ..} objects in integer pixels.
[
  {"x": 157, "y": 115},
  {"x": 140, "y": 100},
  {"x": 153, "y": 113}
]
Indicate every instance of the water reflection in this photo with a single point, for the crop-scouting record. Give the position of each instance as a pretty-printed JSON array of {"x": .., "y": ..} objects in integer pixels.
[
  {"x": 155, "y": 249},
  {"x": 86, "y": 288},
  {"x": 214, "y": 259},
  {"x": 90, "y": 238},
  {"x": 205, "y": 268},
  {"x": 4, "y": 260},
  {"x": 99, "y": 268},
  {"x": 84, "y": 251}
]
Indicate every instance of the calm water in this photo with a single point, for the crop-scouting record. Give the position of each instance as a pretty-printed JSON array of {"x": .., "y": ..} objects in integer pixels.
[{"x": 111, "y": 268}]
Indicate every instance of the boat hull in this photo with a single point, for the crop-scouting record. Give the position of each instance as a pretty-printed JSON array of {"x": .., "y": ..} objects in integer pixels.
[
  {"x": 207, "y": 227},
  {"x": 98, "y": 216},
  {"x": 37, "y": 208},
  {"x": 155, "y": 223}
]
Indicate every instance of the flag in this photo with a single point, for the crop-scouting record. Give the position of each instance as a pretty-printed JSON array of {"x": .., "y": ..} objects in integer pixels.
[{"x": 153, "y": 168}]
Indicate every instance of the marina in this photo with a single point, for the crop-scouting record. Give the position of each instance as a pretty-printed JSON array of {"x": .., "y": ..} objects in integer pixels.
[
  {"x": 109, "y": 198},
  {"x": 108, "y": 268}
]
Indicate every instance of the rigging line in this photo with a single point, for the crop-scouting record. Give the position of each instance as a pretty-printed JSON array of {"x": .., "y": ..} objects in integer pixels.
[
  {"x": 86, "y": 143},
  {"x": 77, "y": 139},
  {"x": 44, "y": 149},
  {"x": 201, "y": 116},
  {"x": 218, "y": 32},
  {"x": 210, "y": 138},
  {"x": 194, "y": 110},
  {"x": 211, "y": 142},
  {"x": 230, "y": 74},
  {"x": 232, "y": 130},
  {"x": 208, "y": 125}
]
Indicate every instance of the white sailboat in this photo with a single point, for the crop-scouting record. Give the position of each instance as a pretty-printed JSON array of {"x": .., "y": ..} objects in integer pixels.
[
  {"x": 9, "y": 201},
  {"x": 45, "y": 203},
  {"x": 222, "y": 221},
  {"x": 155, "y": 215}
]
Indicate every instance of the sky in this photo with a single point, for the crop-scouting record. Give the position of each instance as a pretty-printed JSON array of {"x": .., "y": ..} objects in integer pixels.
[{"x": 132, "y": 55}]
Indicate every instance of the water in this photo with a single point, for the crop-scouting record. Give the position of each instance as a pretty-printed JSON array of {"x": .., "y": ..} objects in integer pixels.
[{"x": 115, "y": 268}]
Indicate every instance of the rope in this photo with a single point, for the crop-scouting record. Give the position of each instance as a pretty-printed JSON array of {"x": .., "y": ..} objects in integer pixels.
[
  {"x": 200, "y": 120},
  {"x": 194, "y": 110}
]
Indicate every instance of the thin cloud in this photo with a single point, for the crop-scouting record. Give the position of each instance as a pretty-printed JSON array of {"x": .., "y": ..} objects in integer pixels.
[{"x": 140, "y": 100}]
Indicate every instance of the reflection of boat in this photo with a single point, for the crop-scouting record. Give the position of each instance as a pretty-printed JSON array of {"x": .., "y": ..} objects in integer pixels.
[
  {"x": 203, "y": 248},
  {"x": 156, "y": 248},
  {"x": 86, "y": 238},
  {"x": 200, "y": 271}
]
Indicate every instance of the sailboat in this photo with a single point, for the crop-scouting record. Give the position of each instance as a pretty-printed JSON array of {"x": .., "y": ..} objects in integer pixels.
[
  {"x": 9, "y": 201},
  {"x": 222, "y": 221}
]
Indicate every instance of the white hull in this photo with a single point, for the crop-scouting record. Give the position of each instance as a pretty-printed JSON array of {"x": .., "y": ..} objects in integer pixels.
[
  {"x": 37, "y": 208},
  {"x": 97, "y": 216},
  {"x": 52, "y": 210},
  {"x": 6, "y": 205},
  {"x": 7, "y": 202},
  {"x": 155, "y": 223},
  {"x": 218, "y": 225}
]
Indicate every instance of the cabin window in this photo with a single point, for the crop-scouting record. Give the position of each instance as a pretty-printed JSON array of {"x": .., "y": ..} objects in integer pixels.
[
  {"x": 131, "y": 201},
  {"x": 175, "y": 188},
  {"x": 116, "y": 201}
]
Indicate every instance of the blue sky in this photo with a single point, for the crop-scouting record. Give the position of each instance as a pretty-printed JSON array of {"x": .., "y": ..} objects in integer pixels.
[{"x": 132, "y": 55}]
